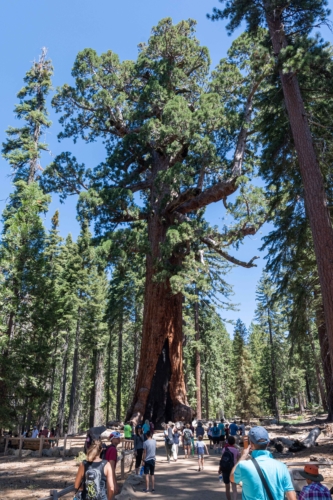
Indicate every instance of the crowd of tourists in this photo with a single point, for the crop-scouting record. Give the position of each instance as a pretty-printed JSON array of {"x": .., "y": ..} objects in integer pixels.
[{"x": 252, "y": 465}]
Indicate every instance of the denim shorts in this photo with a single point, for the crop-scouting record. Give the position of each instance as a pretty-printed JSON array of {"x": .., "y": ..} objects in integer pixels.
[{"x": 149, "y": 467}]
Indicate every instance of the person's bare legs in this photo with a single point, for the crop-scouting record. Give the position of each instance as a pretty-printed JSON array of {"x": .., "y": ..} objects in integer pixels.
[
  {"x": 152, "y": 482},
  {"x": 234, "y": 491},
  {"x": 227, "y": 491},
  {"x": 202, "y": 462},
  {"x": 147, "y": 482}
]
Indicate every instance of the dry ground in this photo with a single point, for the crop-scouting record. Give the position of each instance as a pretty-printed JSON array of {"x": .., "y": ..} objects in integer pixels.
[{"x": 33, "y": 478}]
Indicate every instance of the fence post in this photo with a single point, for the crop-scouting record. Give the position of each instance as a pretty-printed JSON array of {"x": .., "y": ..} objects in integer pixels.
[
  {"x": 20, "y": 446},
  {"x": 41, "y": 443},
  {"x": 122, "y": 465},
  {"x": 6, "y": 446},
  {"x": 54, "y": 494},
  {"x": 65, "y": 442}
]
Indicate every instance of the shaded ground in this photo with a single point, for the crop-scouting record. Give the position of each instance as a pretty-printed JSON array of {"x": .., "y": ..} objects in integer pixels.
[{"x": 33, "y": 478}]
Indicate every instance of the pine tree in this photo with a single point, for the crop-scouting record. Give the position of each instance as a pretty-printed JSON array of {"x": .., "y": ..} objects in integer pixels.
[{"x": 24, "y": 146}]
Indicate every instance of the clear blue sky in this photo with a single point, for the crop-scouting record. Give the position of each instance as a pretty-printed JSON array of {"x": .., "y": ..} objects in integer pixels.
[{"x": 65, "y": 28}]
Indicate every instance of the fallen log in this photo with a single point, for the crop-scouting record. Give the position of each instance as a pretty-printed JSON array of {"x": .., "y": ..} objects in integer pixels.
[{"x": 295, "y": 445}]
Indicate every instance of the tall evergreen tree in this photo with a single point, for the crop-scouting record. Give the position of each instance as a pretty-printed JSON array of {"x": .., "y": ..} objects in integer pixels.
[
  {"x": 288, "y": 22},
  {"x": 169, "y": 134}
]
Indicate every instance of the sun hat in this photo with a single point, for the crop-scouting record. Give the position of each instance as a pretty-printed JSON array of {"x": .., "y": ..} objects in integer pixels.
[
  {"x": 312, "y": 472},
  {"x": 115, "y": 435},
  {"x": 258, "y": 435}
]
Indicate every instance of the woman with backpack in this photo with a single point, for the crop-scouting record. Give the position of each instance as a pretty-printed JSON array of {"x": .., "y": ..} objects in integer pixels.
[
  {"x": 187, "y": 440},
  {"x": 168, "y": 440},
  {"x": 94, "y": 477},
  {"x": 138, "y": 448},
  {"x": 229, "y": 458}
]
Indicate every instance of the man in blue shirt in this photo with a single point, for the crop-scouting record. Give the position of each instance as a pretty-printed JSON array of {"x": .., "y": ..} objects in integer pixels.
[
  {"x": 233, "y": 428},
  {"x": 275, "y": 473}
]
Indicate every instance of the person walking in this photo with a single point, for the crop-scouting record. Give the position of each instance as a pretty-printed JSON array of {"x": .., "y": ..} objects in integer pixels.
[
  {"x": 314, "y": 490},
  {"x": 209, "y": 434},
  {"x": 227, "y": 429},
  {"x": 168, "y": 440},
  {"x": 111, "y": 455},
  {"x": 187, "y": 440},
  {"x": 233, "y": 428},
  {"x": 138, "y": 448},
  {"x": 230, "y": 456},
  {"x": 94, "y": 477},
  {"x": 222, "y": 434},
  {"x": 260, "y": 473},
  {"x": 175, "y": 446},
  {"x": 148, "y": 461},
  {"x": 199, "y": 431},
  {"x": 216, "y": 437},
  {"x": 201, "y": 448}
]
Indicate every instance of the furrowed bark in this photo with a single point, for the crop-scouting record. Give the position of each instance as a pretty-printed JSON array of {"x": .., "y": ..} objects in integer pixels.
[
  {"x": 314, "y": 189},
  {"x": 197, "y": 360},
  {"x": 158, "y": 396},
  {"x": 326, "y": 361}
]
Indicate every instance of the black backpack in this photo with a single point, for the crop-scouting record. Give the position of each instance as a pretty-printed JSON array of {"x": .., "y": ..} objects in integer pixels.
[
  {"x": 92, "y": 486},
  {"x": 227, "y": 461}
]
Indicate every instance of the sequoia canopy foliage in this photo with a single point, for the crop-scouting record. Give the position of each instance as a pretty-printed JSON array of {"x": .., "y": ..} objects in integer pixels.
[{"x": 80, "y": 319}]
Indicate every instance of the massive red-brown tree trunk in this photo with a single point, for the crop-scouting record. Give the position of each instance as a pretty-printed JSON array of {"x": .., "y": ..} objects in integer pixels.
[
  {"x": 160, "y": 393},
  {"x": 314, "y": 191}
]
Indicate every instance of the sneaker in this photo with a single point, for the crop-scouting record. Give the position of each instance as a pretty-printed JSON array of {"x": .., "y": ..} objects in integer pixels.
[
  {"x": 153, "y": 491},
  {"x": 145, "y": 491}
]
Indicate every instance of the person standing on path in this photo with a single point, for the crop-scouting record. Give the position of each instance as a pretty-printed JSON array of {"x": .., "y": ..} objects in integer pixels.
[
  {"x": 199, "y": 431},
  {"x": 230, "y": 456},
  {"x": 187, "y": 440},
  {"x": 111, "y": 455},
  {"x": 127, "y": 435},
  {"x": 216, "y": 437},
  {"x": 138, "y": 448},
  {"x": 275, "y": 473},
  {"x": 34, "y": 433},
  {"x": 175, "y": 446},
  {"x": 168, "y": 440},
  {"x": 95, "y": 475},
  {"x": 201, "y": 448},
  {"x": 209, "y": 434},
  {"x": 233, "y": 428},
  {"x": 222, "y": 434},
  {"x": 145, "y": 428},
  {"x": 148, "y": 461},
  {"x": 314, "y": 489}
]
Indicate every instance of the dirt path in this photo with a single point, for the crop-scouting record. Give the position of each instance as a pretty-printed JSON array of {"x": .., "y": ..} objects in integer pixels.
[{"x": 182, "y": 480}]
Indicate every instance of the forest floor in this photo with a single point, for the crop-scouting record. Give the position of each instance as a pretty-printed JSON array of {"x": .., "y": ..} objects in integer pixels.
[{"x": 33, "y": 478}]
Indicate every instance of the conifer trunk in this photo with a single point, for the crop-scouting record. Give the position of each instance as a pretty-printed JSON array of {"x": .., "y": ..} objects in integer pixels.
[
  {"x": 162, "y": 339},
  {"x": 120, "y": 361},
  {"x": 314, "y": 190},
  {"x": 326, "y": 361},
  {"x": 63, "y": 386},
  {"x": 273, "y": 370},
  {"x": 74, "y": 384},
  {"x": 207, "y": 400},
  {"x": 108, "y": 383},
  {"x": 323, "y": 395},
  {"x": 197, "y": 360},
  {"x": 99, "y": 388}
]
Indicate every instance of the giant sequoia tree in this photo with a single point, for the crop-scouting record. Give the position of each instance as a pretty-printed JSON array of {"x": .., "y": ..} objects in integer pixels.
[{"x": 180, "y": 139}]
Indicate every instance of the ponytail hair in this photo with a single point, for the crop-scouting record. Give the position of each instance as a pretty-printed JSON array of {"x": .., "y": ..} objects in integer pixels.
[{"x": 94, "y": 450}]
